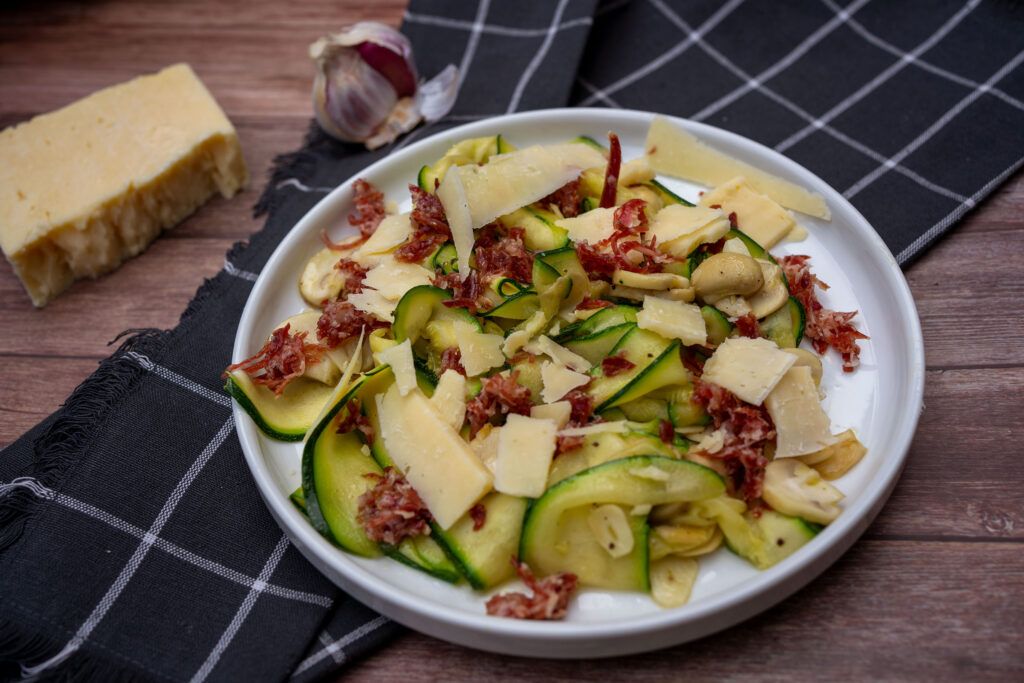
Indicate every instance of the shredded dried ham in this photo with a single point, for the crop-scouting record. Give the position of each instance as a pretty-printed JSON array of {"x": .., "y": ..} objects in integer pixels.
[
  {"x": 666, "y": 432},
  {"x": 429, "y": 227},
  {"x": 589, "y": 304},
  {"x": 747, "y": 326},
  {"x": 824, "y": 327},
  {"x": 370, "y": 210},
  {"x": 549, "y": 598},
  {"x": 616, "y": 365},
  {"x": 280, "y": 360},
  {"x": 628, "y": 245},
  {"x": 354, "y": 274},
  {"x": 502, "y": 255},
  {"x": 581, "y": 411},
  {"x": 392, "y": 510},
  {"x": 499, "y": 395},
  {"x": 566, "y": 199},
  {"x": 353, "y": 419},
  {"x": 341, "y": 321},
  {"x": 597, "y": 264},
  {"x": 748, "y": 429},
  {"x": 611, "y": 174},
  {"x": 451, "y": 359},
  {"x": 478, "y": 513},
  {"x": 467, "y": 293}
]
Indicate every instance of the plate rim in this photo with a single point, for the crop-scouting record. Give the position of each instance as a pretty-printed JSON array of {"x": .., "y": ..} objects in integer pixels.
[{"x": 519, "y": 637}]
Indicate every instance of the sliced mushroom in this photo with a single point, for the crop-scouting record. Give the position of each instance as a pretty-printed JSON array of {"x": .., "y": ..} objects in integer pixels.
[
  {"x": 772, "y": 295},
  {"x": 726, "y": 274},
  {"x": 795, "y": 489},
  {"x": 610, "y": 527},
  {"x": 672, "y": 580},
  {"x": 652, "y": 281},
  {"x": 320, "y": 279}
]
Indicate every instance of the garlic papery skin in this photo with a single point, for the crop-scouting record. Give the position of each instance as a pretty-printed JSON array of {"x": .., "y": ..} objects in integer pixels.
[{"x": 366, "y": 87}]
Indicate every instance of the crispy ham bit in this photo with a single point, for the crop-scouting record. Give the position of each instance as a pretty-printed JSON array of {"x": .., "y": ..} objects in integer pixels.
[
  {"x": 582, "y": 410},
  {"x": 281, "y": 360},
  {"x": 589, "y": 304},
  {"x": 429, "y": 227},
  {"x": 478, "y": 513},
  {"x": 451, "y": 359},
  {"x": 599, "y": 265},
  {"x": 370, "y": 210},
  {"x": 747, "y": 326},
  {"x": 354, "y": 274},
  {"x": 549, "y": 598},
  {"x": 616, "y": 365},
  {"x": 825, "y": 328},
  {"x": 500, "y": 255},
  {"x": 392, "y": 510},
  {"x": 353, "y": 419},
  {"x": 611, "y": 174},
  {"x": 341, "y": 321},
  {"x": 747, "y": 429},
  {"x": 565, "y": 199},
  {"x": 467, "y": 292},
  {"x": 499, "y": 396}
]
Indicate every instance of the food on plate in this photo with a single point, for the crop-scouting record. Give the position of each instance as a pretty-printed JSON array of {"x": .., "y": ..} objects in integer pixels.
[
  {"x": 552, "y": 367},
  {"x": 92, "y": 184}
]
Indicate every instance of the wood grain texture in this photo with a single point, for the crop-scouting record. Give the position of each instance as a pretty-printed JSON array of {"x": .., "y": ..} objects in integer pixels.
[{"x": 932, "y": 592}]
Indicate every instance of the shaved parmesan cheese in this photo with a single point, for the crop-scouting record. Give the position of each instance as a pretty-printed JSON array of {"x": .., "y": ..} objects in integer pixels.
[
  {"x": 452, "y": 194},
  {"x": 673, "y": 320},
  {"x": 526, "y": 446},
  {"x": 545, "y": 346},
  {"x": 617, "y": 427},
  {"x": 399, "y": 357},
  {"x": 558, "y": 412},
  {"x": 757, "y": 215},
  {"x": 433, "y": 457},
  {"x": 681, "y": 229},
  {"x": 485, "y": 445},
  {"x": 749, "y": 368},
  {"x": 391, "y": 232},
  {"x": 801, "y": 424},
  {"x": 591, "y": 227},
  {"x": 370, "y": 301},
  {"x": 712, "y": 442},
  {"x": 675, "y": 152},
  {"x": 635, "y": 171},
  {"x": 735, "y": 246},
  {"x": 393, "y": 278},
  {"x": 449, "y": 399},
  {"x": 558, "y": 381},
  {"x": 480, "y": 351}
]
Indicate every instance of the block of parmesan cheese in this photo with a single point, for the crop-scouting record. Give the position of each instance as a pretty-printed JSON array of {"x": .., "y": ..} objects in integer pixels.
[{"x": 90, "y": 185}]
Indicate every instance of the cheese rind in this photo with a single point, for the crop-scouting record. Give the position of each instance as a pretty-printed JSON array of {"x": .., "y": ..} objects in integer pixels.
[
  {"x": 802, "y": 425},
  {"x": 749, "y": 368},
  {"x": 675, "y": 152},
  {"x": 439, "y": 464},
  {"x": 526, "y": 447},
  {"x": 90, "y": 185}
]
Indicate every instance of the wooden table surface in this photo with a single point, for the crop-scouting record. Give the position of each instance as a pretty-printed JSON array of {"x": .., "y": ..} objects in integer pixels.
[{"x": 934, "y": 589}]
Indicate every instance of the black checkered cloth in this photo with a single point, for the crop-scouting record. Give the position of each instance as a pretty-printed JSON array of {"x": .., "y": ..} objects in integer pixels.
[{"x": 133, "y": 542}]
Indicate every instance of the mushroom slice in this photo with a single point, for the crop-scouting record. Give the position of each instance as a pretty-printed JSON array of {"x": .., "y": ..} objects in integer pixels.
[
  {"x": 795, "y": 489},
  {"x": 773, "y": 293},
  {"x": 320, "y": 279}
]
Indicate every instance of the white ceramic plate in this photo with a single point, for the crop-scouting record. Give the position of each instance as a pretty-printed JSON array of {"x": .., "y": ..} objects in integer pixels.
[{"x": 881, "y": 401}]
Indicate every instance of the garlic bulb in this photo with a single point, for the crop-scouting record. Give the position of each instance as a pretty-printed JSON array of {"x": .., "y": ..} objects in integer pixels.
[{"x": 366, "y": 88}]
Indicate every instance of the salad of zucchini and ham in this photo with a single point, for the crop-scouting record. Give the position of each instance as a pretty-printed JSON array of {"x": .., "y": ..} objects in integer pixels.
[{"x": 555, "y": 368}]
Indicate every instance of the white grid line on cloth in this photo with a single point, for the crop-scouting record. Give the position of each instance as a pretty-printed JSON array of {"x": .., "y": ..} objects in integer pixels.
[
  {"x": 243, "y": 611},
  {"x": 180, "y": 380},
  {"x": 473, "y": 40},
  {"x": 326, "y": 639},
  {"x": 597, "y": 92},
  {"x": 494, "y": 29},
  {"x": 838, "y": 135},
  {"x": 301, "y": 186},
  {"x": 125, "y": 576},
  {"x": 162, "y": 544},
  {"x": 882, "y": 78},
  {"x": 778, "y": 67},
  {"x": 667, "y": 56},
  {"x": 878, "y": 42},
  {"x": 929, "y": 132},
  {"x": 338, "y": 645},
  {"x": 233, "y": 270},
  {"x": 537, "y": 58},
  {"x": 956, "y": 214}
]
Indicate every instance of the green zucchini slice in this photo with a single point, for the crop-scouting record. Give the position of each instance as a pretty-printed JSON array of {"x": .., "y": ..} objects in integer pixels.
[
  {"x": 656, "y": 364},
  {"x": 718, "y": 326},
  {"x": 286, "y": 417},
  {"x": 421, "y": 305},
  {"x": 539, "y": 230},
  {"x": 785, "y": 326},
  {"x": 556, "y": 535}
]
